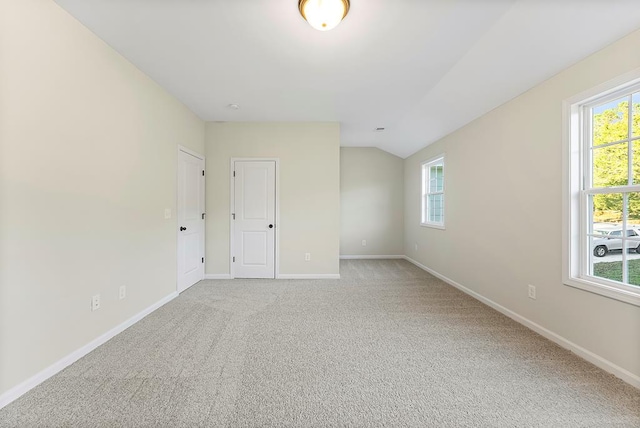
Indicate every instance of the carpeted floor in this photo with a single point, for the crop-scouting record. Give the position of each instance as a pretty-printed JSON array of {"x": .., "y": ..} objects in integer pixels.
[{"x": 388, "y": 345}]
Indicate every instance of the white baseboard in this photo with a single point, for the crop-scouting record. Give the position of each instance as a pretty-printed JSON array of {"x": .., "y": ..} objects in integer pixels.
[
  {"x": 594, "y": 359},
  {"x": 19, "y": 390},
  {"x": 309, "y": 276},
  {"x": 283, "y": 276},
  {"x": 217, "y": 276},
  {"x": 371, "y": 257}
]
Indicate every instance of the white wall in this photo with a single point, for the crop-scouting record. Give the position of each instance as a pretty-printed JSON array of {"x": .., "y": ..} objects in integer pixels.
[
  {"x": 309, "y": 189},
  {"x": 504, "y": 212},
  {"x": 371, "y": 202},
  {"x": 87, "y": 166}
]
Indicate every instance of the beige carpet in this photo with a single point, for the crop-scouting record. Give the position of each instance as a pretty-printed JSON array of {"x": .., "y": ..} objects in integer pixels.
[{"x": 388, "y": 345}]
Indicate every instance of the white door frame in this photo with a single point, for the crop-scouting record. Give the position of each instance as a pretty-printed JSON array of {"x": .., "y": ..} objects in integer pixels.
[
  {"x": 232, "y": 204},
  {"x": 204, "y": 200}
]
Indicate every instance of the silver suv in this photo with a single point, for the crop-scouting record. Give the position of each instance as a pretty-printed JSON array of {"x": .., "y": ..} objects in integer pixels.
[{"x": 613, "y": 241}]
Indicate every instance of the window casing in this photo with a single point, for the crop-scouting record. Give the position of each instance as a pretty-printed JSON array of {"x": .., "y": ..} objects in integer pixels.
[
  {"x": 433, "y": 200},
  {"x": 602, "y": 190}
]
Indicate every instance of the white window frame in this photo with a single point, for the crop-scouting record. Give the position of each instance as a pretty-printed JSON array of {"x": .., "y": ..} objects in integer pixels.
[
  {"x": 424, "y": 209},
  {"x": 577, "y": 188}
]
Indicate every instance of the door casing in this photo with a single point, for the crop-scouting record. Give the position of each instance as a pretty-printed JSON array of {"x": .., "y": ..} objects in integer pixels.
[{"x": 232, "y": 204}]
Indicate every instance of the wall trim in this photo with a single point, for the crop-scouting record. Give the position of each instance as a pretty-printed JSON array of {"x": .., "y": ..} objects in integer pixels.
[
  {"x": 606, "y": 365},
  {"x": 24, "y": 387},
  {"x": 309, "y": 276},
  {"x": 217, "y": 276},
  {"x": 370, "y": 257}
]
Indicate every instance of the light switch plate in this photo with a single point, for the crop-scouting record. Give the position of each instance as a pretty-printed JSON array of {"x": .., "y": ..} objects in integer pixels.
[{"x": 167, "y": 213}]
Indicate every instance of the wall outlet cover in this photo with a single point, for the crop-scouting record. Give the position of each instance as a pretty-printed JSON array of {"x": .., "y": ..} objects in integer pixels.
[{"x": 95, "y": 302}]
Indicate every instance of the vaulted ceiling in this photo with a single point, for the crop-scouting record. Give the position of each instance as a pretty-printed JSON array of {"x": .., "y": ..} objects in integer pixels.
[{"x": 419, "y": 68}]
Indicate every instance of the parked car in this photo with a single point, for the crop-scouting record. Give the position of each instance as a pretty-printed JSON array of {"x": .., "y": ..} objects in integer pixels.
[{"x": 613, "y": 241}]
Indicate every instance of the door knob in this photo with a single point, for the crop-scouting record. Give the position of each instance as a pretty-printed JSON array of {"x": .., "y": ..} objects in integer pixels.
[
  {"x": 182, "y": 228},
  {"x": 270, "y": 226}
]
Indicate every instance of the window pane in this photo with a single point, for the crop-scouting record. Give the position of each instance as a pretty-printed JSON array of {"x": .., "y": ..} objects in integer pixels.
[
  {"x": 606, "y": 243},
  {"x": 633, "y": 244},
  {"x": 608, "y": 266},
  {"x": 611, "y": 165},
  {"x": 633, "y": 220},
  {"x": 611, "y": 122},
  {"x": 636, "y": 162},
  {"x": 634, "y": 271},
  {"x": 436, "y": 178},
  {"x": 604, "y": 247},
  {"x": 636, "y": 114},
  {"x": 436, "y": 208},
  {"x": 607, "y": 212}
]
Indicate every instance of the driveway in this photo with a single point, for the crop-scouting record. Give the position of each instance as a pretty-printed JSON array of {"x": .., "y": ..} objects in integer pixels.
[{"x": 616, "y": 257}]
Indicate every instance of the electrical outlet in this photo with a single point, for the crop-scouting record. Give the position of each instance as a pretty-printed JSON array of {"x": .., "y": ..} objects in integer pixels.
[
  {"x": 167, "y": 213},
  {"x": 307, "y": 257},
  {"x": 364, "y": 242},
  {"x": 532, "y": 291},
  {"x": 95, "y": 302},
  {"x": 122, "y": 293}
]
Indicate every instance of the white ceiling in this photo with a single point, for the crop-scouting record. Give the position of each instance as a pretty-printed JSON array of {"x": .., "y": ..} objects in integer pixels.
[{"x": 419, "y": 68}]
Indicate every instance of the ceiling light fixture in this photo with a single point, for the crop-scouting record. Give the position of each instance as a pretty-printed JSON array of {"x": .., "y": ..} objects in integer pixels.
[{"x": 323, "y": 15}]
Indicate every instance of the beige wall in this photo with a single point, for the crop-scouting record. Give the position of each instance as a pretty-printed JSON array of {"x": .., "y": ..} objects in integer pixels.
[
  {"x": 504, "y": 212},
  {"x": 309, "y": 191},
  {"x": 371, "y": 202},
  {"x": 87, "y": 166}
]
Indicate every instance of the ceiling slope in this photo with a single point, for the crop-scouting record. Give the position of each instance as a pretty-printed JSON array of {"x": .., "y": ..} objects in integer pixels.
[{"x": 419, "y": 68}]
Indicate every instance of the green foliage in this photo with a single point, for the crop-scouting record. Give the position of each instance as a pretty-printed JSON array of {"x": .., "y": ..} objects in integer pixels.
[
  {"x": 613, "y": 271},
  {"x": 611, "y": 163}
]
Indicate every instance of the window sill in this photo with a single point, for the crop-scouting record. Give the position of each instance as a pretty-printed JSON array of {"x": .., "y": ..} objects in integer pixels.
[
  {"x": 433, "y": 225},
  {"x": 605, "y": 290}
]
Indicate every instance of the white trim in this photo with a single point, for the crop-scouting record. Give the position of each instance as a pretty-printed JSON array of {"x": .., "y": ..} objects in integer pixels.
[
  {"x": 440, "y": 159},
  {"x": 367, "y": 257},
  {"x": 433, "y": 226},
  {"x": 602, "y": 287},
  {"x": 575, "y": 166},
  {"x": 608, "y": 366},
  {"x": 21, "y": 389},
  {"x": 191, "y": 152},
  {"x": 217, "y": 276},
  {"x": 203, "y": 194},
  {"x": 308, "y": 276},
  {"x": 608, "y": 87},
  {"x": 232, "y": 208}
]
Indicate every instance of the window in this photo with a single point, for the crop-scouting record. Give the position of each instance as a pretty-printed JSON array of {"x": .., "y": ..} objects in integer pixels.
[
  {"x": 433, "y": 193},
  {"x": 602, "y": 239}
]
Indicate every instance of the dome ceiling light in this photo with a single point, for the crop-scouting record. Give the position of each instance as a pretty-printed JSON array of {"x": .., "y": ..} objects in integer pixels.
[{"x": 323, "y": 15}]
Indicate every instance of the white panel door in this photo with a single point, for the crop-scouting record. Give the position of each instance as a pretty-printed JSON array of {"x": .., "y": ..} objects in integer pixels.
[
  {"x": 190, "y": 220},
  {"x": 254, "y": 224}
]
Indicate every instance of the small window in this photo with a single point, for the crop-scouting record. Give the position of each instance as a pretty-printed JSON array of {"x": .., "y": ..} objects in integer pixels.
[
  {"x": 433, "y": 193},
  {"x": 603, "y": 244}
]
